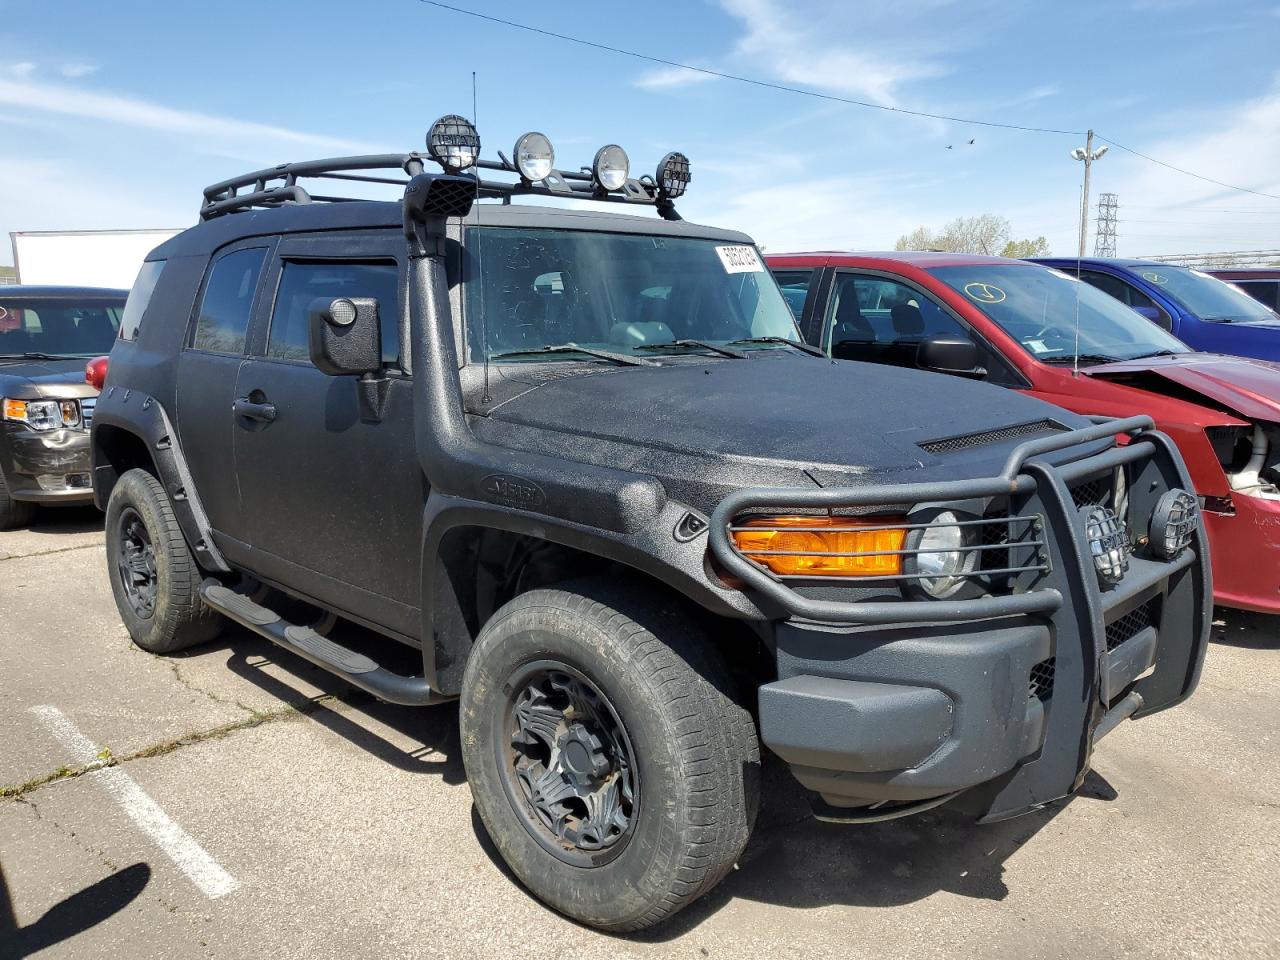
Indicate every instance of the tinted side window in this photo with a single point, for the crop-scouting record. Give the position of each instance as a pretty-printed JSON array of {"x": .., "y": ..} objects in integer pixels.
[
  {"x": 227, "y": 301},
  {"x": 795, "y": 288},
  {"x": 303, "y": 282},
  {"x": 872, "y": 318},
  {"x": 1107, "y": 284},
  {"x": 1264, "y": 291},
  {"x": 139, "y": 297}
]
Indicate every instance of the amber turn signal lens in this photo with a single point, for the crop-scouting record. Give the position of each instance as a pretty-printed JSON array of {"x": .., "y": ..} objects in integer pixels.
[
  {"x": 821, "y": 546},
  {"x": 15, "y": 409}
]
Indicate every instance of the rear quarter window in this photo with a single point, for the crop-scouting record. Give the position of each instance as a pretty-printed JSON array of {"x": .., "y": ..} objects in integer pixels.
[{"x": 139, "y": 298}]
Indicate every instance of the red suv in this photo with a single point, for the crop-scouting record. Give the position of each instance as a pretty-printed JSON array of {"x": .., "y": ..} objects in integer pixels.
[{"x": 1015, "y": 324}]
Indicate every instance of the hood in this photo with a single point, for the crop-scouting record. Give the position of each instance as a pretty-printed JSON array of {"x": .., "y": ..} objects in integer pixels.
[
  {"x": 34, "y": 379},
  {"x": 775, "y": 419},
  {"x": 1240, "y": 385}
]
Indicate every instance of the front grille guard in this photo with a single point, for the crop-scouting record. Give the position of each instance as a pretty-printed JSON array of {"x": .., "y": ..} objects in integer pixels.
[{"x": 1009, "y": 481}]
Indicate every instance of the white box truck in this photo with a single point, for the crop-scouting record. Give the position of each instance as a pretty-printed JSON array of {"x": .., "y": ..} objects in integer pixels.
[{"x": 86, "y": 258}]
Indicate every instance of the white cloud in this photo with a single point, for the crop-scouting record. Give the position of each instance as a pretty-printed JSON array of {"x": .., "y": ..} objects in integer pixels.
[
  {"x": 217, "y": 134},
  {"x": 669, "y": 77},
  {"x": 21, "y": 70},
  {"x": 74, "y": 71},
  {"x": 777, "y": 40}
]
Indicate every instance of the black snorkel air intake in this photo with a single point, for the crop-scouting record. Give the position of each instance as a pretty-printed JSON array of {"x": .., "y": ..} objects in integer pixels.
[{"x": 456, "y": 463}]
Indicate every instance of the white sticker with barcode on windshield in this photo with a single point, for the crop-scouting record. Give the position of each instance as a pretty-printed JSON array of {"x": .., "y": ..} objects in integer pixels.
[{"x": 740, "y": 259}]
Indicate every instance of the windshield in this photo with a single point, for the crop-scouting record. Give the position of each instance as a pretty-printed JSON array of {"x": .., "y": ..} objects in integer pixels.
[
  {"x": 622, "y": 293},
  {"x": 1037, "y": 306},
  {"x": 1207, "y": 297},
  {"x": 58, "y": 327}
]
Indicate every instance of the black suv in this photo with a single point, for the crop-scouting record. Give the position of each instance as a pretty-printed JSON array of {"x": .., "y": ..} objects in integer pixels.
[
  {"x": 583, "y": 463},
  {"x": 46, "y": 335}
]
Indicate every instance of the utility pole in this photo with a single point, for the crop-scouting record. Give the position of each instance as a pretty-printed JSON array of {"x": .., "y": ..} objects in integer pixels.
[{"x": 1088, "y": 155}]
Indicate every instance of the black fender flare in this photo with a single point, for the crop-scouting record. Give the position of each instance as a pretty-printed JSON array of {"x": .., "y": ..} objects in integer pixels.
[
  {"x": 655, "y": 550},
  {"x": 144, "y": 417}
]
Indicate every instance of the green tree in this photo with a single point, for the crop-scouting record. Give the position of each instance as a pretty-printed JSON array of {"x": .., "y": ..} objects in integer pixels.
[{"x": 1022, "y": 249}]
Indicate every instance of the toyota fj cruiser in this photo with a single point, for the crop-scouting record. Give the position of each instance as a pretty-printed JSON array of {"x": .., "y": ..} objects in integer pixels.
[{"x": 584, "y": 464}]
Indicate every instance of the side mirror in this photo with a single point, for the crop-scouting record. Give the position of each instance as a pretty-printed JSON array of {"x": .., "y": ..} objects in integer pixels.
[
  {"x": 345, "y": 336},
  {"x": 958, "y": 356}
]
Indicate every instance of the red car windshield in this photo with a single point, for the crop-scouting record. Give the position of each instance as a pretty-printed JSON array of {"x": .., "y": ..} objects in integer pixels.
[{"x": 1048, "y": 313}]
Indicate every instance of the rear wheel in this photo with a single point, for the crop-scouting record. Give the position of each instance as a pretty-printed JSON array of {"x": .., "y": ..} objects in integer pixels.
[
  {"x": 154, "y": 577},
  {"x": 612, "y": 766},
  {"x": 14, "y": 513}
]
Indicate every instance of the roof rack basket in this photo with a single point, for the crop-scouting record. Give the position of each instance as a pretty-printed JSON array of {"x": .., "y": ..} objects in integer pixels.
[{"x": 278, "y": 186}]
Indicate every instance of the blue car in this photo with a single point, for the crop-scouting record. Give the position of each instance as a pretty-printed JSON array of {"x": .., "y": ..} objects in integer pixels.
[{"x": 1201, "y": 311}]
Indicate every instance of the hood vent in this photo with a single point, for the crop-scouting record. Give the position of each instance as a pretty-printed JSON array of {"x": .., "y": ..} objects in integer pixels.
[{"x": 1021, "y": 431}]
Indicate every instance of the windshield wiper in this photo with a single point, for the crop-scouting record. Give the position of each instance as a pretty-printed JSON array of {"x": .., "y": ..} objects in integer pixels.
[
  {"x": 619, "y": 358},
  {"x": 35, "y": 355},
  {"x": 713, "y": 347},
  {"x": 1083, "y": 358},
  {"x": 1159, "y": 353},
  {"x": 802, "y": 347}
]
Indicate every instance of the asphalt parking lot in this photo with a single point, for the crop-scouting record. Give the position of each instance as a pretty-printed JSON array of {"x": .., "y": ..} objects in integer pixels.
[{"x": 245, "y": 804}]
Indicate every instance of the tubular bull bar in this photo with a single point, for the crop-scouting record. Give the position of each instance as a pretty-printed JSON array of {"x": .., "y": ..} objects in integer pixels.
[{"x": 960, "y": 667}]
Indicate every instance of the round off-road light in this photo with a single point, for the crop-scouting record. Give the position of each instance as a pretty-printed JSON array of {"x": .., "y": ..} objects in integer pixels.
[
  {"x": 534, "y": 156},
  {"x": 453, "y": 143},
  {"x": 939, "y": 557},
  {"x": 611, "y": 168},
  {"x": 673, "y": 175},
  {"x": 1108, "y": 543},
  {"x": 343, "y": 312},
  {"x": 1173, "y": 523}
]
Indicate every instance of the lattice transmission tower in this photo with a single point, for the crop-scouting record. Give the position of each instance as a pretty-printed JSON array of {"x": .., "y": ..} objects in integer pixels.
[{"x": 1104, "y": 243}]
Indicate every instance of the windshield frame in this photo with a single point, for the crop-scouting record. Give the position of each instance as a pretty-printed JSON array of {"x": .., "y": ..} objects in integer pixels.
[
  {"x": 468, "y": 267},
  {"x": 1159, "y": 340},
  {"x": 1191, "y": 278},
  {"x": 112, "y": 306}
]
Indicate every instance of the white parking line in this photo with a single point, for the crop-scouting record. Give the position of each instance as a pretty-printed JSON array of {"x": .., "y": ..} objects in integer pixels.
[{"x": 180, "y": 847}]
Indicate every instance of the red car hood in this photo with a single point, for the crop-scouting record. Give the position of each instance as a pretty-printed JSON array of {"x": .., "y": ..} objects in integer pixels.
[{"x": 1249, "y": 388}]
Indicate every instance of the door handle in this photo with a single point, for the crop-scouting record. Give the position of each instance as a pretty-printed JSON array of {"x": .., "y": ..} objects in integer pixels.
[{"x": 262, "y": 412}]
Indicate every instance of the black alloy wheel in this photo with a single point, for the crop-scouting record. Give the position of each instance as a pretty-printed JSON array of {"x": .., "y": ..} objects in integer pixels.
[
  {"x": 568, "y": 767},
  {"x": 136, "y": 560}
]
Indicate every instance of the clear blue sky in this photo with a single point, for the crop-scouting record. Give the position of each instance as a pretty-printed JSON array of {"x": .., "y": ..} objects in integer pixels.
[{"x": 116, "y": 114}]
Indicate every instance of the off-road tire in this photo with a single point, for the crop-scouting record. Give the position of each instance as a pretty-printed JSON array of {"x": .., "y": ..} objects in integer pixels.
[
  {"x": 695, "y": 747},
  {"x": 179, "y": 618},
  {"x": 14, "y": 513}
]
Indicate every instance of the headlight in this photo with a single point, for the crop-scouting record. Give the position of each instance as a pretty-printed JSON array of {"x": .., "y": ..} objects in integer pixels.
[
  {"x": 534, "y": 157},
  {"x": 1173, "y": 523},
  {"x": 821, "y": 546},
  {"x": 940, "y": 556},
  {"x": 43, "y": 414},
  {"x": 611, "y": 167}
]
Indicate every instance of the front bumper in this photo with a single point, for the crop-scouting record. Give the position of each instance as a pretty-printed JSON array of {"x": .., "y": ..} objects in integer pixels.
[
  {"x": 1246, "y": 554},
  {"x": 1003, "y": 696},
  {"x": 49, "y": 467}
]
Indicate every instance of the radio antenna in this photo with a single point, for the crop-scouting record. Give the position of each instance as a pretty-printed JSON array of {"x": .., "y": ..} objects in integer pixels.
[
  {"x": 1075, "y": 363},
  {"x": 484, "y": 320}
]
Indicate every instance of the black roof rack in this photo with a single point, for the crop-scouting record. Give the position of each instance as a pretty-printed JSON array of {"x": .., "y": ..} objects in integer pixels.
[{"x": 277, "y": 186}]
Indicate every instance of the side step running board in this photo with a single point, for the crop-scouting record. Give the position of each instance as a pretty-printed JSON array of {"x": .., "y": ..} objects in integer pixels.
[{"x": 357, "y": 669}]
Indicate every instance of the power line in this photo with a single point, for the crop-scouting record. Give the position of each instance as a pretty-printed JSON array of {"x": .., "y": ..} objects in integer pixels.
[
  {"x": 528, "y": 28},
  {"x": 1170, "y": 166},
  {"x": 741, "y": 79}
]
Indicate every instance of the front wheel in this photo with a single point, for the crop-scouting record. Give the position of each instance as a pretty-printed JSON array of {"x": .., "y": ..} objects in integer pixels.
[
  {"x": 612, "y": 766},
  {"x": 154, "y": 577}
]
